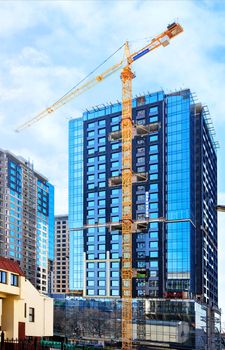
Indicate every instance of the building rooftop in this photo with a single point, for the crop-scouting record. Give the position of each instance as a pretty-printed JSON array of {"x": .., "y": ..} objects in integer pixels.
[{"x": 10, "y": 265}]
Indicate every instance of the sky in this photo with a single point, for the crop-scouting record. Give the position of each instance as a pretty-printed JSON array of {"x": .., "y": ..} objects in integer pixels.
[{"x": 47, "y": 47}]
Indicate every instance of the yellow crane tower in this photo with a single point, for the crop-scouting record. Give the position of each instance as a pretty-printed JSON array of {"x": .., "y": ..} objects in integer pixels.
[{"x": 127, "y": 75}]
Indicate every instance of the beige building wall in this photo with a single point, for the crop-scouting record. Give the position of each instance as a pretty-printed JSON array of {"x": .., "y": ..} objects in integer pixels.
[
  {"x": 16, "y": 305},
  {"x": 61, "y": 261}
]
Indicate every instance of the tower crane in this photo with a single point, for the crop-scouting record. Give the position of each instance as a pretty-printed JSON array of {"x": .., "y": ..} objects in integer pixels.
[{"x": 127, "y": 76}]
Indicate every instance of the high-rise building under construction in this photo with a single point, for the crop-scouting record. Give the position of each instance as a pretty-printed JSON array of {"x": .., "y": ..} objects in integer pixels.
[
  {"x": 174, "y": 200},
  {"x": 27, "y": 218}
]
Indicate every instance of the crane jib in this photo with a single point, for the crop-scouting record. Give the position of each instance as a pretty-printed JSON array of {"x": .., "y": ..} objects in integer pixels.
[{"x": 141, "y": 54}]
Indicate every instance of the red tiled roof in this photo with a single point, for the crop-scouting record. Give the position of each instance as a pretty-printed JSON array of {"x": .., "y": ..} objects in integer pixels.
[{"x": 10, "y": 265}]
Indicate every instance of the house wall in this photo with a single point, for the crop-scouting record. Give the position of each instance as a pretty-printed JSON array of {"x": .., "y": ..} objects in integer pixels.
[{"x": 13, "y": 310}]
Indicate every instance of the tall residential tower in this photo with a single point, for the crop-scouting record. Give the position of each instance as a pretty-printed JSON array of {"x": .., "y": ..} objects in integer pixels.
[
  {"x": 27, "y": 218},
  {"x": 174, "y": 200},
  {"x": 61, "y": 262}
]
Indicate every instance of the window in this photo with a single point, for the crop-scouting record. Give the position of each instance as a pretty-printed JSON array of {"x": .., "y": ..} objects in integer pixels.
[
  {"x": 101, "y": 256},
  {"x": 153, "y": 119},
  {"x": 115, "y": 201},
  {"x": 141, "y": 160},
  {"x": 154, "y": 206},
  {"x": 115, "y": 164},
  {"x": 153, "y": 187},
  {"x": 101, "y": 149},
  {"x": 114, "y": 210},
  {"x": 90, "y": 292},
  {"x": 141, "y": 198},
  {"x": 101, "y": 167},
  {"x": 101, "y": 283},
  {"x": 14, "y": 280},
  {"x": 31, "y": 314},
  {"x": 101, "y": 274},
  {"x": 91, "y": 143},
  {"x": 153, "y": 167},
  {"x": 153, "y": 197},
  {"x": 153, "y": 110},
  {"x": 153, "y": 254},
  {"x": 101, "y": 238},
  {"x": 90, "y": 256},
  {"x": 153, "y": 177},
  {"x": 115, "y": 128},
  {"x": 91, "y": 125},
  {"x": 90, "y": 274},
  {"x": 25, "y": 310},
  {"x": 90, "y": 283},
  {"x": 101, "y": 202},
  {"x": 101, "y": 292},
  {"x": 91, "y": 177},
  {"x": 153, "y": 245},
  {"x": 115, "y": 265},
  {"x": 115, "y": 246},
  {"x": 101, "y": 140},
  {"x": 101, "y": 131},
  {"x": 114, "y": 292},
  {"x": 115, "y": 173},
  {"x": 101, "y": 176},
  {"x": 154, "y": 264},
  {"x": 141, "y": 207},
  {"x": 141, "y": 113},
  {"x": 101, "y": 265},
  {"x": 141, "y": 169},
  {"x": 115, "y": 283},
  {"x": 115, "y": 237},
  {"x": 115, "y": 192},
  {"x": 115, "y": 155},
  {"x": 115, "y": 119},
  {"x": 90, "y": 134},
  {"x": 115, "y": 145},
  {"x": 101, "y": 247},
  {"x": 115, "y": 273},
  {"x": 153, "y": 149},
  {"x": 90, "y": 265},
  {"x": 91, "y": 151},
  {"x": 101, "y": 158},
  {"x": 153, "y": 158},
  {"x": 101, "y": 122},
  {"x": 153, "y": 138},
  {"x": 91, "y": 169},
  {"x": 3, "y": 277}
]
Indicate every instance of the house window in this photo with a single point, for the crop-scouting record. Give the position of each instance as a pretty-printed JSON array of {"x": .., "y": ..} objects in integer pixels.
[
  {"x": 31, "y": 314},
  {"x": 3, "y": 277},
  {"x": 14, "y": 280},
  {"x": 25, "y": 310}
]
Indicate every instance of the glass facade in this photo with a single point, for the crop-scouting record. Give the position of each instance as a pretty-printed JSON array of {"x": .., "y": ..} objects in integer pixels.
[
  {"x": 76, "y": 279},
  {"x": 182, "y": 324},
  {"x": 180, "y": 193},
  {"x": 51, "y": 222},
  {"x": 173, "y": 152}
]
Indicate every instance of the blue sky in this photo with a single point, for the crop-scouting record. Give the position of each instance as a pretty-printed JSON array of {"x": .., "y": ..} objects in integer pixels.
[{"x": 48, "y": 46}]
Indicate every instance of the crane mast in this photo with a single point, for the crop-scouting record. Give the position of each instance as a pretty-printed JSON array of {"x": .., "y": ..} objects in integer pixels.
[{"x": 127, "y": 76}]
